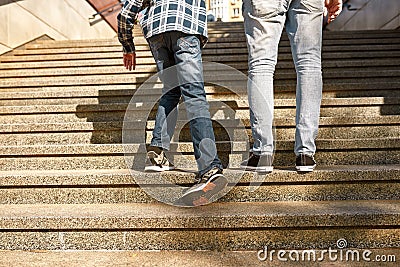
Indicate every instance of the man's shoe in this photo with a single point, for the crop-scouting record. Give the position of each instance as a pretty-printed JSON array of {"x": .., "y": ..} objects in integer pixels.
[
  {"x": 209, "y": 185},
  {"x": 305, "y": 163},
  {"x": 258, "y": 163},
  {"x": 158, "y": 161}
]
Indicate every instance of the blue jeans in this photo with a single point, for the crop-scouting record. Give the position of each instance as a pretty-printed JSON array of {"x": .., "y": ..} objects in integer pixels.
[
  {"x": 179, "y": 65},
  {"x": 264, "y": 22}
]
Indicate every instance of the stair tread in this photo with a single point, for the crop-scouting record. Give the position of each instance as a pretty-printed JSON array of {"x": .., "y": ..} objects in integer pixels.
[
  {"x": 230, "y": 49},
  {"x": 117, "y": 55},
  {"x": 162, "y": 258},
  {"x": 280, "y": 175},
  {"x": 239, "y": 103},
  {"x": 216, "y": 216},
  {"x": 182, "y": 147},
  {"x": 117, "y": 125},
  {"x": 355, "y": 65}
]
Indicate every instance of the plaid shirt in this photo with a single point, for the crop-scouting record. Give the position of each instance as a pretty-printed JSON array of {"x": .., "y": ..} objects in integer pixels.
[{"x": 187, "y": 16}]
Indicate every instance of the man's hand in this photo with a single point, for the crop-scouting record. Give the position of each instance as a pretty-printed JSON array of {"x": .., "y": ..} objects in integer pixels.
[
  {"x": 130, "y": 61},
  {"x": 333, "y": 7}
]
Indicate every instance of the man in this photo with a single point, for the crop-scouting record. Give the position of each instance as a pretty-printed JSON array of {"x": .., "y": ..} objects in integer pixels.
[
  {"x": 176, "y": 30},
  {"x": 264, "y": 22}
]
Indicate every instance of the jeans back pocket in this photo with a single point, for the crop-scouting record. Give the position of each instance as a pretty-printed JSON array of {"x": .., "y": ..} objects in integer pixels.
[
  {"x": 265, "y": 8},
  {"x": 189, "y": 43}
]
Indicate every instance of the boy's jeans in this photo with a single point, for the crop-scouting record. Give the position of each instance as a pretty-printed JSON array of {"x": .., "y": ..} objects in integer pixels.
[
  {"x": 184, "y": 79},
  {"x": 264, "y": 22}
]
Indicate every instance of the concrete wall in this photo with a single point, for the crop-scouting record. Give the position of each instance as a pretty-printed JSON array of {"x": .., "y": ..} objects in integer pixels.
[
  {"x": 25, "y": 20},
  {"x": 370, "y": 15}
]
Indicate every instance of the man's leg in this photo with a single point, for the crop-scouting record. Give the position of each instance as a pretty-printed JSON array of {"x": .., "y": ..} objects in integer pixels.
[
  {"x": 304, "y": 28},
  {"x": 263, "y": 22}
]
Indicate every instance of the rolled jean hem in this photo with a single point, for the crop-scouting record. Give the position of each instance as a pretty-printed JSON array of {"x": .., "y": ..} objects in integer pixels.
[
  {"x": 304, "y": 153},
  {"x": 160, "y": 146},
  {"x": 258, "y": 153},
  {"x": 209, "y": 168}
]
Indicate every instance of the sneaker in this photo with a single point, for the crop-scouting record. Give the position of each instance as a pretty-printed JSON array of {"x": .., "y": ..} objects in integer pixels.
[
  {"x": 158, "y": 161},
  {"x": 207, "y": 188},
  {"x": 305, "y": 163},
  {"x": 258, "y": 163}
]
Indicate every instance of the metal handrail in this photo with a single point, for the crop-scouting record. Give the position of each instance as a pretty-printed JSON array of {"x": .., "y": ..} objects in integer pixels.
[
  {"x": 108, "y": 9},
  {"x": 348, "y": 6}
]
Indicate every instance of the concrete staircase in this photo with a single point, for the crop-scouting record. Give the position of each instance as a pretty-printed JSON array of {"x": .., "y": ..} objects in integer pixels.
[{"x": 65, "y": 181}]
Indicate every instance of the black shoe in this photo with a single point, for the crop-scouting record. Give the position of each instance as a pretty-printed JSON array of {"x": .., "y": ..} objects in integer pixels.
[
  {"x": 258, "y": 163},
  {"x": 158, "y": 162},
  {"x": 305, "y": 163},
  {"x": 208, "y": 187}
]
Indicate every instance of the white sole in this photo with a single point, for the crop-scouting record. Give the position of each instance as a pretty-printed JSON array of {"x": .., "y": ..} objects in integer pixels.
[
  {"x": 257, "y": 169},
  {"x": 158, "y": 169},
  {"x": 205, "y": 193},
  {"x": 201, "y": 187},
  {"x": 305, "y": 168}
]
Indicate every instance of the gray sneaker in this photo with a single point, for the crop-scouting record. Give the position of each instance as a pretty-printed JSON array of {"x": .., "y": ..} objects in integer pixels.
[
  {"x": 258, "y": 164},
  {"x": 208, "y": 187},
  {"x": 305, "y": 163},
  {"x": 158, "y": 161}
]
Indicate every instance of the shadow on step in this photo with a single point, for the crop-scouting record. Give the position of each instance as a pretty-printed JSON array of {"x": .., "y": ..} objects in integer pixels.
[{"x": 107, "y": 118}]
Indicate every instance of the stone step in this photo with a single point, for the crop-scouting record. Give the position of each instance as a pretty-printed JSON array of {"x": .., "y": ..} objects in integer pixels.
[
  {"x": 282, "y": 67},
  {"x": 323, "y": 174},
  {"x": 330, "y": 37},
  {"x": 240, "y": 63},
  {"x": 280, "y": 122},
  {"x": 226, "y": 41},
  {"x": 94, "y": 97},
  {"x": 104, "y": 93},
  {"x": 99, "y": 156},
  {"x": 329, "y": 66},
  {"x": 219, "y": 110},
  {"x": 186, "y": 147},
  {"x": 83, "y": 114},
  {"x": 234, "y": 104},
  {"x": 146, "y": 57},
  {"x": 117, "y": 177},
  {"x": 211, "y": 49},
  {"x": 326, "y": 183},
  {"x": 351, "y": 156},
  {"x": 127, "y": 78},
  {"x": 111, "y": 132},
  {"x": 111, "y": 136},
  {"x": 215, "y": 48},
  {"x": 162, "y": 258},
  {"x": 220, "y": 226}
]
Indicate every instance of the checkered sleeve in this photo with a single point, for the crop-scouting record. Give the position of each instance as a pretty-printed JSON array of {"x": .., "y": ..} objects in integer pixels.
[
  {"x": 187, "y": 16},
  {"x": 126, "y": 19}
]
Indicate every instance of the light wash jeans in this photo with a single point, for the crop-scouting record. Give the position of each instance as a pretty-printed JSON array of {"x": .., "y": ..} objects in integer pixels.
[
  {"x": 264, "y": 21},
  {"x": 179, "y": 65}
]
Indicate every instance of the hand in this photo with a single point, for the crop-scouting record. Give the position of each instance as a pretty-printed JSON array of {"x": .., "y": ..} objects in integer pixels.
[
  {"x": 333, "y": 7},
  {"x": 130, "y": 61}
]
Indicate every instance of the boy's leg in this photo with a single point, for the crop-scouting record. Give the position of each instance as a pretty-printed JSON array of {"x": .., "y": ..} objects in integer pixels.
[
  {"x": 211, "y": 182},
  {"x": 167, "y": 112},
  {"x": 166, "y": 117},
  {"x": 190, "y": 76}
]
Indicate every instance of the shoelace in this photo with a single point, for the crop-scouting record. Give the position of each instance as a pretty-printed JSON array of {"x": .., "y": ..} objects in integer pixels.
[{"x": 206, "y": 176}]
